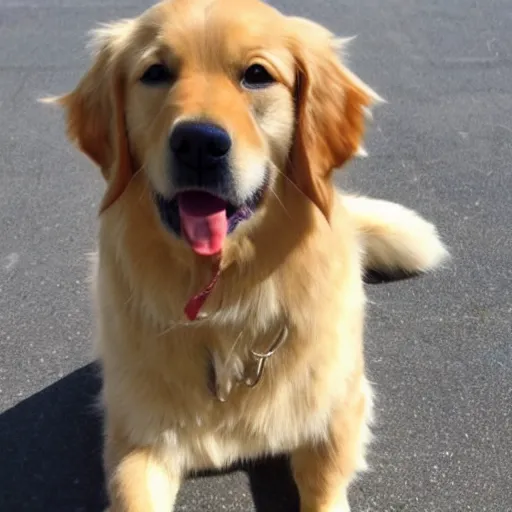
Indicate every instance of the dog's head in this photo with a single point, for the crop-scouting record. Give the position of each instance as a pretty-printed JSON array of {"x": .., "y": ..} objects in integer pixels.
[{"x": 216, "y": 101}]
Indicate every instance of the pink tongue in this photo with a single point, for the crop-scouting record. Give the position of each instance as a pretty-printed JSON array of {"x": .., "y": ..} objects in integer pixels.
[{"x": 204, "y": 221}]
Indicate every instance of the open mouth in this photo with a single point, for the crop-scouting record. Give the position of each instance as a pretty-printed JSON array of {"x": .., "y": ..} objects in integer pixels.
[{"x": 204, "y": 219}]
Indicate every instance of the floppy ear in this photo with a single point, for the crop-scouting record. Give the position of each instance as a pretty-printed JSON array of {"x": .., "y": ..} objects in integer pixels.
[
  {"x": 331, "y": 106},
  {"x": 95, "y": 112}
]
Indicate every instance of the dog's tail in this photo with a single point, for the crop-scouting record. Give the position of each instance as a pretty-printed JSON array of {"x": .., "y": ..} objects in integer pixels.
[{"x": 396, "y": 241}]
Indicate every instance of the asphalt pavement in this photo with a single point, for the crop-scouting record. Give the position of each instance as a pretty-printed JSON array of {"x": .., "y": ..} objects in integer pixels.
[{"x": 438, "y": 348}]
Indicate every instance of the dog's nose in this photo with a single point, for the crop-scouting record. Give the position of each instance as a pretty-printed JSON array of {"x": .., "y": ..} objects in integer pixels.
[{"x": 199, "y": 144}]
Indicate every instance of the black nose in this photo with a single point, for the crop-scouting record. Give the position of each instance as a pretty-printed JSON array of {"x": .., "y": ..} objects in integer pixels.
[{"x": 200, "y": 145}]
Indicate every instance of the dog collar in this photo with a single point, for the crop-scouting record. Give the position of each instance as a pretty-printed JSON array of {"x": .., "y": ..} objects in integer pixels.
[
  {"x": 223, "y": 378},
  {"x": 195, "y": 304}
]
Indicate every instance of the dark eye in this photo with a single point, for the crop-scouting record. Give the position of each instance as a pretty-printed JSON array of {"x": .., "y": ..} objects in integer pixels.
[
  {"x": 157, "y": 74},
  {"x": 256, "y": 77}
]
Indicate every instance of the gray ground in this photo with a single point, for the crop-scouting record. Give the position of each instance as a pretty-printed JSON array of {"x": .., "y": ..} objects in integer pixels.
[{"x": 438, "y": 348}]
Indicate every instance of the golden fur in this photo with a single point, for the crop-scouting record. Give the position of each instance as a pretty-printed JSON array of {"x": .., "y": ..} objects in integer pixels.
[{"x": 296, "y": 264}]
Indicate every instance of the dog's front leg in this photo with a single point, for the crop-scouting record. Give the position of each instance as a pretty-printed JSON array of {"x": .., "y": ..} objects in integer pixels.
[
  {"x": 321, "y": 482},
  {"x": 324, "y": 470},
  {"x": 139, "y": 479}
]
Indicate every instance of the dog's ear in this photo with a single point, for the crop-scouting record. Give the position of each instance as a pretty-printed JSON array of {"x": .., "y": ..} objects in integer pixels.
[
  {"x": 331, "y": 106},
  {"x": 95, "y": 111}
]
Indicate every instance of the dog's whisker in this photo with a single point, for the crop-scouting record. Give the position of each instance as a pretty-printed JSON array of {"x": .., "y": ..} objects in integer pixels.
[
  {"x": 273, "y": 192},
  {"x": 286, "y": 177}
]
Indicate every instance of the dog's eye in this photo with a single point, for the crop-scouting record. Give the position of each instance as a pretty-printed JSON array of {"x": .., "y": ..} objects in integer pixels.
[
  {"x": 157, "y": 74},
  {"x": 256, "y": 76}
]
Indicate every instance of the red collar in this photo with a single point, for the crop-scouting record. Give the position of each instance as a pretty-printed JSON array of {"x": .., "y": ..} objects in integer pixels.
[{"x": 195, "y": 304}]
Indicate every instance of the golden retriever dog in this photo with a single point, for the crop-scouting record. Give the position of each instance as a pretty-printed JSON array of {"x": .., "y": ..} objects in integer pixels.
[{"x": 229, "y": 275}]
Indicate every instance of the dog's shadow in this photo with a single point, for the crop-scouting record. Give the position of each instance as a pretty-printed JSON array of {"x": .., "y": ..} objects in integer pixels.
[{"x": 50, "y": 446}]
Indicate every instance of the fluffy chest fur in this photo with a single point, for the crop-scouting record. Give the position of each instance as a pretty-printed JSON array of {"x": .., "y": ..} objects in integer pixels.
[{"x": 159, "y": 366}]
